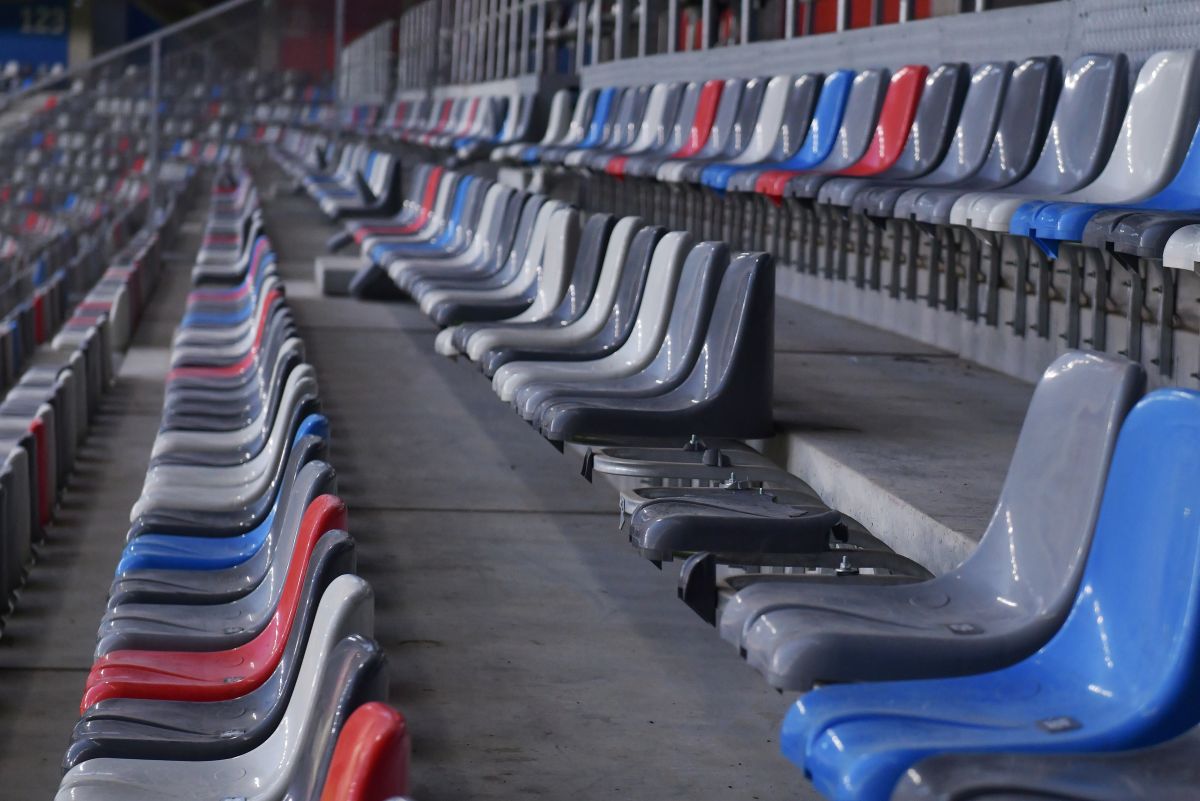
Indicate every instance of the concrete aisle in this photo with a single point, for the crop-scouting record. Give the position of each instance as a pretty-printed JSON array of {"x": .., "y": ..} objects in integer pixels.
[
  {"x": 46, "y": 649},
  {"x": 534, "y": 654}
]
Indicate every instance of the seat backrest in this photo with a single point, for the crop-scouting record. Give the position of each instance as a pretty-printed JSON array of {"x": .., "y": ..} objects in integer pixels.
[
  {"x": 742, "y": 131},
  {"x": 1085, "y": 125},
  {"x": 685, "y": 112},
  {"x": 553, "y": 271},
  {"x": 558, "y": 121},
  {"x": 736, "y": 360},
  {"x": 623, "y": 312},
  {"x": 976, "y": 124},
  {"x": 936, "y": 115},
  {"x": 622, "y": 120},
  {"x": 856, "y": 123},
  {"x": 726, "y": 119},
  {"x": 654, "y": 307},
  {"x": 1033, "y": 91},
  {"x": 615, "y": 256},
  {"x": 662, "y": 107},
  {"x": 1032, "y": 552},
  {"x": 1158, "y": 127},
  {"x": 1134, "y": 629},
  {"x": 371, "y": 759},
  {"x": 584, "y": 111},
  {"x": 690, "y": 309},
  {"x": 631, "y": 125},
  {"x": 708, "y": 103},
  {"x": 601, "y": 123},
  {"x": 767, "y": 126},
  {"x": 589, "y": 255},
  {"x": 895, "y": 121}
]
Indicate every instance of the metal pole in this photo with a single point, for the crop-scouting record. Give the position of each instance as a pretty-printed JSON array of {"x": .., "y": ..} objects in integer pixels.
[
  {"x": 541, "y": 38},
  {"x": 789, "y": 19},
  {"x": 672, "y": 25},
  {"x": 906, "y": 10},
  {"x": 339, "y": 35},
  {"x": 706, "y": 22},
  {"x": 843, "y": 14},
  {"x": 745, "y": 35},
  {"x": 155, "y": 96}
]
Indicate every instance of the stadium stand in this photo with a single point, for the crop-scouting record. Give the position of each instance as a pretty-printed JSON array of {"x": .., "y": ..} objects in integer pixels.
[{"x": 874, "y": 321}]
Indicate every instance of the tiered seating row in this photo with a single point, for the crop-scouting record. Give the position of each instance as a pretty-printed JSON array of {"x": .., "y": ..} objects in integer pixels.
[
  {"x": 1054, "y": 636},
  {"x": 234, "y": 659}
]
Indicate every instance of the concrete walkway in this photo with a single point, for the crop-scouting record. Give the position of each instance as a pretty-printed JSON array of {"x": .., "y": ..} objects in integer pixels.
[{"x": 534, "y": 654}]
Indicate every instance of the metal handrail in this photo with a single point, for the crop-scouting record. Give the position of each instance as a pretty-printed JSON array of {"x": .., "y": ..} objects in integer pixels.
[{"x": 149, "y": 40}]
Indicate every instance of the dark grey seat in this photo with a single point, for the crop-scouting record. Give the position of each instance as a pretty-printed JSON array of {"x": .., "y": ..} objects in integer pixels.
[
  {"x": 157, "y": 729},
  {"x": 797, "y": 116},
  {"x": 1003, "y": 602},
  {"x": 695, "y": 295},
  {"x": 928, "y": 138},
  {"x": 1166, "y": 772},
  {"x": 166, "y": 586},
  {"x": 1029, "y": 104},
  {"x": 729, "y": 389},
  {"x": 618, "y": 324}
]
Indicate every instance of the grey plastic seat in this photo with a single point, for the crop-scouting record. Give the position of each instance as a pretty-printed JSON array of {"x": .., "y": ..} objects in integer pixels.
[
  {"x": 1029, "y": 103},
  {"x": 853, "y": 135},
  {"x": 998, "y": 606},
  {"x": 695, "y": 294},
  {"x": 1086, "y": 122},
  {"x": 166, "y": 586},
  {"x": 212, "y": 626},
  {"x": 730, "y": 133},
  {"x": 623, "y": 130},
  {"x": 614, "y": 330},
  {"x": 793, "y": 128},
  {"x": 928, "y": 138},
  {"x": 653, "y": 132},
  {"x": 589, "y": 253},
  {"x": 1182, "y": 250},
  {"x": 139, "y": 728},
  {"x": 587, "y": 323},
  {"x": 290, "y": 761},
  {"x": 728, "y": 392},
  {"x": 1166, "y": 772},
  {"x": 677, "y": 131}
]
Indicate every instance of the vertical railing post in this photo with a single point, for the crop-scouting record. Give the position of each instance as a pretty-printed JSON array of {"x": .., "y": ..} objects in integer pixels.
[
  {"x": 581, "y": 18},
  {"x": 339, "y": 36},
  {"x": 672, "y": 25},
  {"x": 597, "y": 24},
  {"x": 543, "y": 24},
  {"x": 789, "y": 19},
  {"x": 906, "y": 8},
  {"x": 155, "y": 99},
  {"x": 706, "y": 24},
  {"x": 843, "y": 14},
  {"x": 744, "y": 36}
]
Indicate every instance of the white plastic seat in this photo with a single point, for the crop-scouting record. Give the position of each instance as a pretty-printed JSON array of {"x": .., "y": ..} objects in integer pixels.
[
  {"x": 1183, "y": 249},
  {"x": 643, "y": 342}
]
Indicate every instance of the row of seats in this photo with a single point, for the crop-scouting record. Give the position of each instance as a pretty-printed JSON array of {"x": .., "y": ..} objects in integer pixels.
[
  {"x": 234, "y": 659},
  {"x": 1039, "y": 642},
  {"x": 56, "y": 361}
]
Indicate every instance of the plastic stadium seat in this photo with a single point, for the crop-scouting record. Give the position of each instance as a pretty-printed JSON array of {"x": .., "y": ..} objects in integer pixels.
[
  {"x": 689, "y": 310},
  {"x": 1029, "y": 103},
  {"x": 1166, "y": 772},
  {"x": 653, "y": 131},
  {"x": 1086, "y": 123},
  {"x": 1119, "y": 673},
  {"x": 978, "y": 616},
  {"x": 209, "y": 675},
  {"x": 370, "y": 761},
  {"x": 292, "y": 760},
  {"x": 162, "y": 568},
  {"x": 787, "y": 110},
  {"x": 925, "y": 144},
  {"x": 1146, "y": 157},
  {"x": 605, "y": 327},
  {"x": 518, "y": 380},
  {"x": 572, "y": 301},
  {"x": 157, "y": 729},
  {"x": 727, "y": 392},
  {"x": 556, "y": 282}
]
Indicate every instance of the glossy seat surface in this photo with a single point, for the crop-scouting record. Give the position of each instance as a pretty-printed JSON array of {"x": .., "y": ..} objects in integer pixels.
[
  {"x": 1004, "y": 601},
  {"x": 1120, "y": 673},
  {"x": 370, "y": 762}
]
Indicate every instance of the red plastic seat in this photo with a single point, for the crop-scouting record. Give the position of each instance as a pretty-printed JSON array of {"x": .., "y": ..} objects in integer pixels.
[
  {"x": 891, "y": 133},
  {"x": 370, "y": 760},
  {"x": 701, "y": 128},
  {"x": 242, "y": 365},
  {"x": 427, "y": 203},
  {"x": 217, "y": 675}
]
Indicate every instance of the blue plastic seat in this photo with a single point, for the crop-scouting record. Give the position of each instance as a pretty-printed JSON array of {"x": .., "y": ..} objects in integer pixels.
[
  {"x": 818, "y": 141},
  {"x": 1122, "y": 672}
]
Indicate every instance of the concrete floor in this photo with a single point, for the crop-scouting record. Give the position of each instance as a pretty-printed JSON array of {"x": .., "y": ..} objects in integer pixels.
[{"x": 531, "y": 650}]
